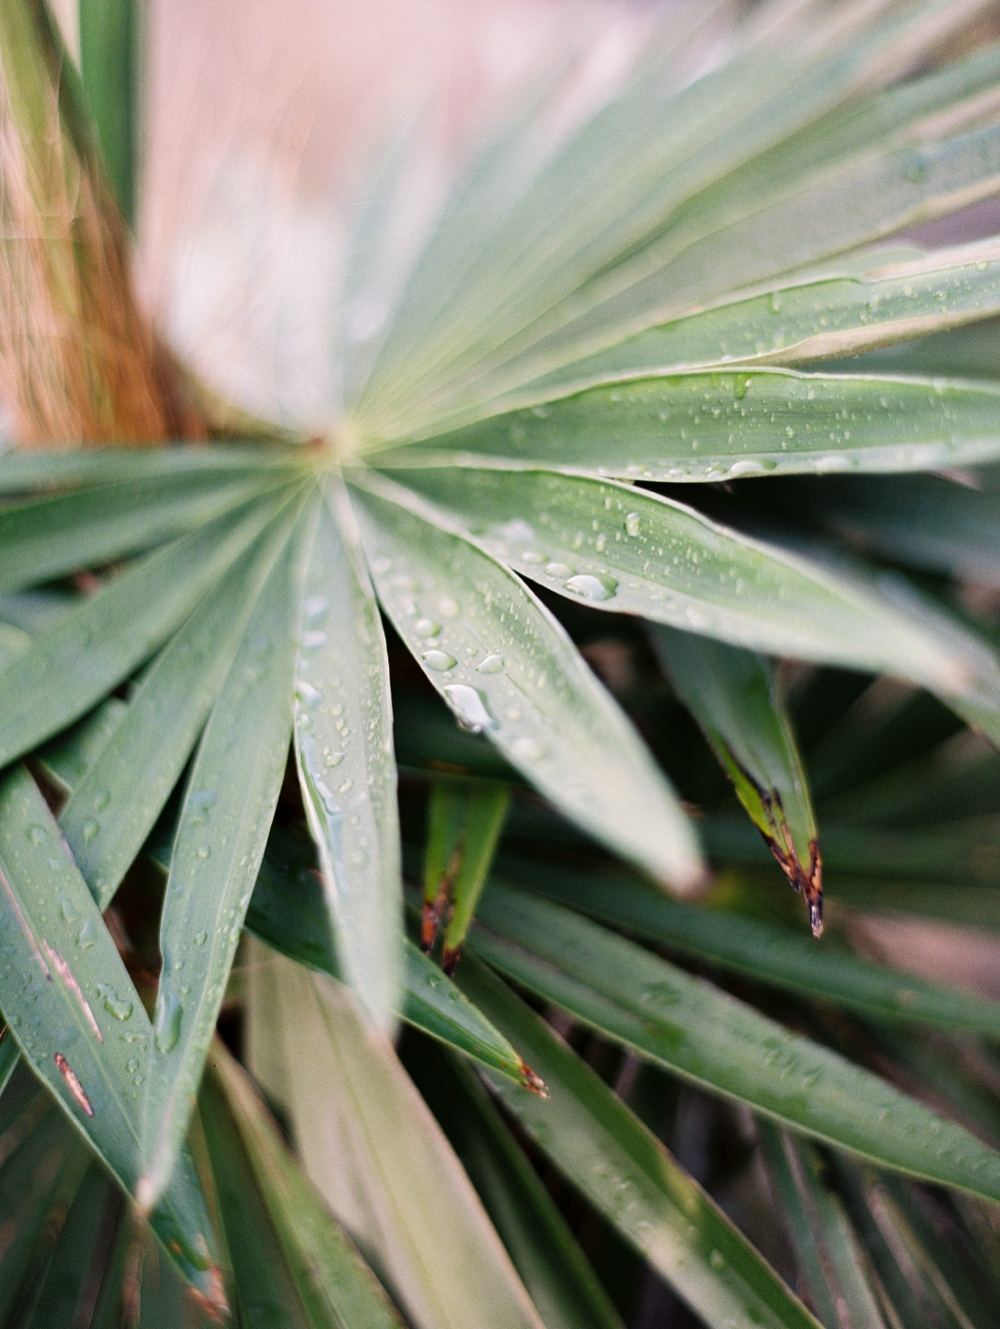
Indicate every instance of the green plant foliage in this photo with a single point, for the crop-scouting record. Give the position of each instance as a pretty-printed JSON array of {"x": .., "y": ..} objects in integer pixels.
[{"x": 470, "y": 629}]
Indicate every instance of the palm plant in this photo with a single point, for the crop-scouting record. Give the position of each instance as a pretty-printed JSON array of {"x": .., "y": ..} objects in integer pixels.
[{"x": 552, "y": 427}]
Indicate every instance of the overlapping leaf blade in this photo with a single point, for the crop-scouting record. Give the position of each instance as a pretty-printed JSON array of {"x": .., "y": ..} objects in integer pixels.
[
  {"x": 292, "y": 1261},
  {"x": 79, "y": 660},
  {"x": 765, "y": 952},
  {"x": 373, "y": 1150},
  {"x": 117, "y": 801},
  {"x": 627, "y": 1175},
  {"x": 78, "y": 1018},
  {"x": 343, "y": 748},
  {"x": 692, "y": 1029},
  {"x": 227, "y": 812},
  {"x": 624, "y": 550},
  {"x": 505, "y": 667},
  {"x": 545, "y": 1253}
]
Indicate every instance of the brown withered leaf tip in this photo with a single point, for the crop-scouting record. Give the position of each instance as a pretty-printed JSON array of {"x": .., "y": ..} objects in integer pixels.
[
  {"x": 808, "y": 881},
  {"x": 532, "y": 1081}
]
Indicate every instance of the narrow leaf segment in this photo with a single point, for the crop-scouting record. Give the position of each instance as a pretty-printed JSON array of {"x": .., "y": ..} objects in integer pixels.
[
  {"x": 465, "y": 821},
  {"x": 732, "y": 695}
]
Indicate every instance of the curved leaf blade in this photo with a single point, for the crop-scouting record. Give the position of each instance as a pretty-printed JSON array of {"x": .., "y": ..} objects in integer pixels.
[
  {"x": 707, "y": 1036},
  {"x": 227, "y": 811},
  {"x": 115, "y": 804},
  {"x": 605, "y": 1152},
  {"x": 506, "y": 667},
  {"x": 343, "y": 751}
]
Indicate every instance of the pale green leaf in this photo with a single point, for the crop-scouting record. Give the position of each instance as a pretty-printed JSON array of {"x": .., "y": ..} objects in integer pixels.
[
  {"x": 708, "y": 1036},
  {"x": 380, "y": 1161},
  {"x": 732, "y": 695},
  {"x": 22, "y": 471},
  {"x": 800, "y": 321},
  {"x": 343, "y": 748},
  {"x": 331, "y": 1280},
  {"x": 545, "y": 1253},
  {"x": 49, "y": 537},
  {"x": 79, "y": 660},
  {"x": 227, "y": 811},
  {"x": 629, "y": 551},
  {"x": 77, "y": 1017},
  {"x": 116, "y": 802},
  {"x": 506, "y": 668},
  {"x": 628, "y": 1176},
  {"x": 734, "y": 423}
]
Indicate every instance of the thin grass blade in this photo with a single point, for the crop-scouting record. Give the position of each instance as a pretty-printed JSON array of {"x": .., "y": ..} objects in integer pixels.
[{"x": 108, "y": 63}]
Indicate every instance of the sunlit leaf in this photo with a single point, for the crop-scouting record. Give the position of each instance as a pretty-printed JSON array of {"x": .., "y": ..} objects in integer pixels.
[{"x": 381, "y": 1163}]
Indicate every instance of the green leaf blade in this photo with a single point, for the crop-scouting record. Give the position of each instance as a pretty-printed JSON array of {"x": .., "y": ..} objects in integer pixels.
[
  {"x": 731, "y": 693},
  {"x": 719, "y": 1042},
  {"x": 227, "y": 811},
  {"x": 623, "y": 1170},
  {"x": 78, "y": 1018},
  {"x": 505, "y": 667},
  {"x": 343, "y": 750}
]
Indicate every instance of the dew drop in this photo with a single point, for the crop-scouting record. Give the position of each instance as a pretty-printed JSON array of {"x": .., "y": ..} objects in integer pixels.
[
  {"x": 36, "y": 834},
  {"x": 90, "y": 829},
  {"x": 493, "y": 664},
  {"x": 558, "y": 570},
  {"x": 528, "y": 749},
  {"x": 307, "y": 692},
  {"x": 311, "y": 639},
  {"x": 632, "y": 523},
  {"x": 592, "y": 588},
  {"x": 120, "y": 1007},
  {"x": 438, "y": 660},
  {"x": 101, "y": 800},
  {"x": 334, "y": 758},
  {"x": 204, "y": 851},
  {"x": 167, "y": 1026},
  {"x": 532, "y": 556},
  {"x": 469, "y": 704},
  {"x": 426, "y": 627},
  {"x": 315, "y": 605},
  {"x": 449, "y": 608}
]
